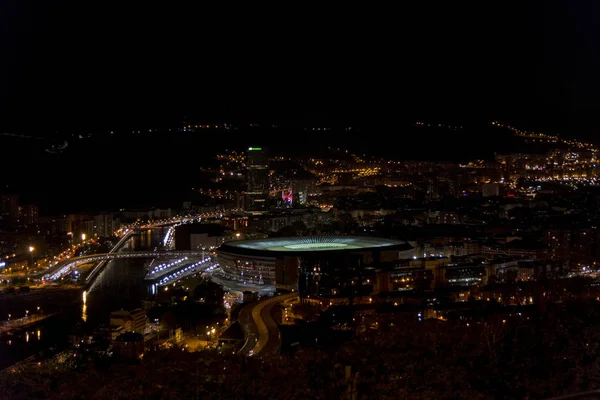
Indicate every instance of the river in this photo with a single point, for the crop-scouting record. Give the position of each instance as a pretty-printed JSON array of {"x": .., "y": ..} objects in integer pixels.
[{"x": 119, "y": 285}]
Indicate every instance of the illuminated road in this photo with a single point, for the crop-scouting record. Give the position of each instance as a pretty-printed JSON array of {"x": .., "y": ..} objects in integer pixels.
[
  {"x": 65, "y": 267},
  {"x": 184, "y": 220},
  {"x": 262, "y": 334},
  {"x": 187, "y": 270},
  {"x": 250, "y": 329}
]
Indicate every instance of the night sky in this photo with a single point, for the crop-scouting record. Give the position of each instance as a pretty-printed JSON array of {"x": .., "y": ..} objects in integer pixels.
[{"x": 104, "y": 65}]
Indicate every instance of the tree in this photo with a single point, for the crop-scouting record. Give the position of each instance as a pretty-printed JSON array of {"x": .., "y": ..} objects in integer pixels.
[{"x": 209, "y": 292}]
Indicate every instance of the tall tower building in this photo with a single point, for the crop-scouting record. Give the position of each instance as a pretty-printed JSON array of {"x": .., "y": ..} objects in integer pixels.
[
  {"x": 433, "y": 189},
  {"x": 301, "y": 190},
  {"x": 104, "y": 225},
  {"x": 9, "y": 208},
  {"x": 29, "y": 214},
  {"x": 257, "y": 179}
]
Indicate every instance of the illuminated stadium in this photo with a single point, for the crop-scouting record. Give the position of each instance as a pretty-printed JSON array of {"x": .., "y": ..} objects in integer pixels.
[{"x": 321, "y": 261}]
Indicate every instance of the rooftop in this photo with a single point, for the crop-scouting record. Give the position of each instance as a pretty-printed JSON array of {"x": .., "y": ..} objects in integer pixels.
[{"x": 306, "y": 244}]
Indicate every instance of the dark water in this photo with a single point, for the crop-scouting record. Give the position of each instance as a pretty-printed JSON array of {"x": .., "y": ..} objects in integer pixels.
[{"x": 120, "y": 285}]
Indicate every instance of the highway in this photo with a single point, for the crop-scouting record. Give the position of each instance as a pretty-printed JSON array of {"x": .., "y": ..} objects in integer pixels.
[
  {"x": 101, "y": 264},
  {"x": 184, "y": 220},
  {"x": 261, "y": 331},
  {"x": 249, "y": 327},
  {"x": 66, "y": 266}
]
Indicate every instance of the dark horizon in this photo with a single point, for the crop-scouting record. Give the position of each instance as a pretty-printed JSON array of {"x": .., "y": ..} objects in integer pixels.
[
  {"x": 74, "y": 67},
  {"x": 159, "y": 169}
]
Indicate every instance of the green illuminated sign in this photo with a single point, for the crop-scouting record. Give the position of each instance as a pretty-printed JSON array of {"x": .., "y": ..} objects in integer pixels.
[{"x": 255, "y": 148}]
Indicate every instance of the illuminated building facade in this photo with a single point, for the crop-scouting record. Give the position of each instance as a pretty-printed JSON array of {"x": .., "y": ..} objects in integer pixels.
[
  {"x": 301, "y": 190},
  {"x": 257, "y": 179},
  {"x": 311, "y": 265},
  {"x": 29, "y": 214},
  {"x": 287, "y": 197}
]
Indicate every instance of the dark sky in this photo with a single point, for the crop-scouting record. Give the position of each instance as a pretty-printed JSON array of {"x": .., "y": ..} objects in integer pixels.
[{"x": 100, "y": 65}]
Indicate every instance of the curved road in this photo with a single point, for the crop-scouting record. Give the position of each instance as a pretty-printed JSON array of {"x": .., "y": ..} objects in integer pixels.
[
  {"x": 262, "y": 333},
  {"x": 250, "y": 329}
]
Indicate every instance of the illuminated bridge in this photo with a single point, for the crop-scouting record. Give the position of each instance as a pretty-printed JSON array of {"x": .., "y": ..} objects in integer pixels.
[{"x": 65, "y": 267}]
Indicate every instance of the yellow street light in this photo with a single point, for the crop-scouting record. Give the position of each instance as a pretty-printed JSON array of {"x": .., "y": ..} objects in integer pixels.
[{"x": 83, "y": 237}]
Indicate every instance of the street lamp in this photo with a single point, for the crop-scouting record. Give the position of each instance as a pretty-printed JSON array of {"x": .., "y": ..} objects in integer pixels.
[{"x": 83, "y": 237}]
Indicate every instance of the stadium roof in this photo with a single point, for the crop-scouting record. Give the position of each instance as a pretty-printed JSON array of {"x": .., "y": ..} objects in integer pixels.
[{"x": 309, "y": 244}]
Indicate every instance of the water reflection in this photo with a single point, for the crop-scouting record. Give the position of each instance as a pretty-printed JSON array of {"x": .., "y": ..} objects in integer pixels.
[
  {"x": 84, "y": 307},
  {"x": 119, "y": 285},
  {"x": 121, "y": 282}
]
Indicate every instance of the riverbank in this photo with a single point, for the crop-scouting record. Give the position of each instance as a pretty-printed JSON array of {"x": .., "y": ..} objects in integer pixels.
[{"x": 49, "y": 300}]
